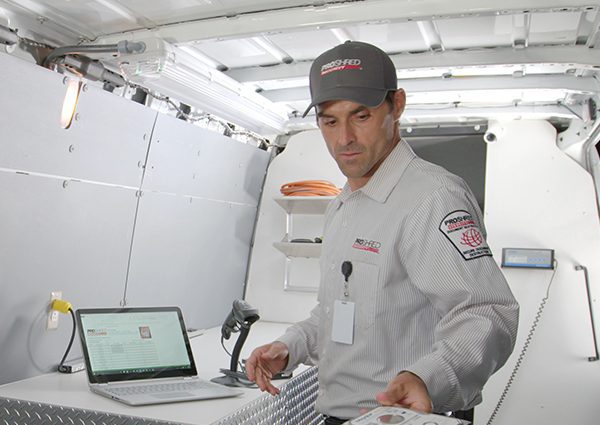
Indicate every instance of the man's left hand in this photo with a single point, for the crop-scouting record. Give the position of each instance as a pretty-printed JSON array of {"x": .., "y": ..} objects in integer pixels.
[{"x": 406, "y": 390}]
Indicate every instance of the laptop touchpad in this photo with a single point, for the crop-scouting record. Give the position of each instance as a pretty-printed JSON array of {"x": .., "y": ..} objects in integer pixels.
[{"x": 173, "y": 395}]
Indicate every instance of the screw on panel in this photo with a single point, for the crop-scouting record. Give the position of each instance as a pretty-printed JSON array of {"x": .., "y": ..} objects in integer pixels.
[
  {"x": 71, "y": 148},
  {"x": 65, "y": 183},
  {"x": 85, "y": 87},
  {"x": 76, "y": 117}
]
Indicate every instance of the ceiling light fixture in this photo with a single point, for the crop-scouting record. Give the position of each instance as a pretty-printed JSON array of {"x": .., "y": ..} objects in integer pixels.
[{"x": 176, "y": 73}]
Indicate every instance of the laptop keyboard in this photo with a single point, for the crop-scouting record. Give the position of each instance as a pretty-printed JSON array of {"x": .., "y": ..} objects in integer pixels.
[
  {"x": 159, "y": 388},
  {"x": 20, "y": 412}
]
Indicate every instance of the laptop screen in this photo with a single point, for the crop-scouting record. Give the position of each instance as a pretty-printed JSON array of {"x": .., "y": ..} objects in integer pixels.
[{"x": 134, "y": 343}]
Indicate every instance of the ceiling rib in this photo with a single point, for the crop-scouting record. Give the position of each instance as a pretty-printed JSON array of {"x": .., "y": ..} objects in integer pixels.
[
  {"x": 567, "y": 83},
  {"x": 580, "y": 57},
  {"x": 520, "y": 33},
  {"x": 593, "y": 37},
  {"x": 431, "y": 35},
  {"x": 341, "y": 34}
]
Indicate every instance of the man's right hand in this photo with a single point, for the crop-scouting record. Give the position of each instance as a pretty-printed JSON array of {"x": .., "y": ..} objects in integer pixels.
[{"x": 265, "y": 362}]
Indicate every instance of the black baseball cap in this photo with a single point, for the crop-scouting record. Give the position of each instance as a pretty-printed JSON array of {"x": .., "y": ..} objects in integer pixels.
[{"x": 354, "y": 71}]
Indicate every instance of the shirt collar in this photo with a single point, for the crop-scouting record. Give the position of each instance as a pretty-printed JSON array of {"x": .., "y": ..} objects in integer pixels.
[{"x": 386, "y": 177}]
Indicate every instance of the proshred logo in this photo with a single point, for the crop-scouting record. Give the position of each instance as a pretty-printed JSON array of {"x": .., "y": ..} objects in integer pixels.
[
  {"x": 367, "y": 245},
  {"x": 461, "y": 230},
  {"x": 96, "y": 332},
  {"x": 341, "y": 65},
  {"x": 460, "y": 221}
]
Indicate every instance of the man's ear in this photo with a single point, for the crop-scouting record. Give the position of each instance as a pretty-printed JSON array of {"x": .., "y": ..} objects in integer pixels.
[{"x": 399, "y": 103}]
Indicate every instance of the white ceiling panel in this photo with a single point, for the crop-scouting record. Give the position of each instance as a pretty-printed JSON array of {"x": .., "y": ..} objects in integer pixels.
[
  {"x": 236, "y": 53},
  {"x": 492, "y": 31},
  {"x": 392, "y": 37},
  {"x": 305, "y": 45},
  {"x": 554, "y": 28}
]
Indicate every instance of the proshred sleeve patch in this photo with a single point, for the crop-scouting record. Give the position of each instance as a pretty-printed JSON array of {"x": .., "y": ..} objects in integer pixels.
[{"x": 461, "y": 230}]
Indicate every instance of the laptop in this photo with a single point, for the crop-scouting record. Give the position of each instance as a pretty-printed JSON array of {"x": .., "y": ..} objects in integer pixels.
[{"x": 142, "y": 356}]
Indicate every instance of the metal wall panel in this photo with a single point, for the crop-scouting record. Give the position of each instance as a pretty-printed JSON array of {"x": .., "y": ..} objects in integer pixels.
[
  {"x": 107, "y": 143},
  {"x": 190, "y": 252},
  {"x": 194, "y": 224},
  {"x": 188, "y": 160},
  {"x": 195, "y": 221},
  {"x": 74, "y": 239}
]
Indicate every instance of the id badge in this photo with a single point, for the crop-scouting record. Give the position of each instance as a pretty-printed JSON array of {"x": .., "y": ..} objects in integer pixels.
[{"x": 342, "y": 330}]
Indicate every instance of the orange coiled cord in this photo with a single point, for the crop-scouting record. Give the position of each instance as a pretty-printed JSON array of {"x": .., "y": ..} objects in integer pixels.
[{"x": 310, "y": 188}]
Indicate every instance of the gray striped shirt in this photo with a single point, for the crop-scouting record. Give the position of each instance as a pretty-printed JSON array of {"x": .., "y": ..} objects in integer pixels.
[{"x": 429, "y": 298}]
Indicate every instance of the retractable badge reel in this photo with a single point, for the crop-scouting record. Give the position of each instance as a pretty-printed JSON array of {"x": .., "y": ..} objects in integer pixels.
[{"x": 343, "y": 312}]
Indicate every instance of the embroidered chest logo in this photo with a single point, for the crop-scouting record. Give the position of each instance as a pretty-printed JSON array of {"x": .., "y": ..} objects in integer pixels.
[
  {"x": 367, "y": 245},
  {"x": 460, "y": 229}
]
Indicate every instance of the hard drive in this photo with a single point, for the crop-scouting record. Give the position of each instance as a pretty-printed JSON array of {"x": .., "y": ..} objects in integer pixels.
[{"x": 402, "y": 416}]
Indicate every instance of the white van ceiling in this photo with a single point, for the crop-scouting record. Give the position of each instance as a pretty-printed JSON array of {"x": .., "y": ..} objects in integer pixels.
[{"x": 460, "y": 60}]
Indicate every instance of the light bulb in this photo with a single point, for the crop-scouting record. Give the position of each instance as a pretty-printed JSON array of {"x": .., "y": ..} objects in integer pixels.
[{"x": 70, "y": 103}]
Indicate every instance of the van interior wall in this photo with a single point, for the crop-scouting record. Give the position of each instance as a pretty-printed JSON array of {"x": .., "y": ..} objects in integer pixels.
[
  {"x": 304, "y": 158},
  {"x": 125, "y": 205},
  {"x": 535, "y": 197},
  {"x": 538, "y": 197}
]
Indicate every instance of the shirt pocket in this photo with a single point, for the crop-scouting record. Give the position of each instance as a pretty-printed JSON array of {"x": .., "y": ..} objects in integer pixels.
[{"x": 364, "y": 287}]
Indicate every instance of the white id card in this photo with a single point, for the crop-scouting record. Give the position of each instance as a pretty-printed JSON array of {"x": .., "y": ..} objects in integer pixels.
[{"x": 342, "y": 330}]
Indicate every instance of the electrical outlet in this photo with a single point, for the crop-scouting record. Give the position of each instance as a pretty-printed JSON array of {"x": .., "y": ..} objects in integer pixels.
[{"x": 53, "y": 315}]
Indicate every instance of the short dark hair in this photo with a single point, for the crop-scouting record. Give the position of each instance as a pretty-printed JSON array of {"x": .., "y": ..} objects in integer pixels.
[{"x": 389, "y": 97}]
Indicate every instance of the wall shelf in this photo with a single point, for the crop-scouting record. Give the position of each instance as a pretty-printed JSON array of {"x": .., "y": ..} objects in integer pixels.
[
  {"x": 304, "y": 204},
  {"x": 299, "y": 249},
  {"x": 299, "y": 205}
]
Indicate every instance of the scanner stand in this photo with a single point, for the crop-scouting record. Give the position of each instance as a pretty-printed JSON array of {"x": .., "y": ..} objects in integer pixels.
[{"x": 233, "y": 377}]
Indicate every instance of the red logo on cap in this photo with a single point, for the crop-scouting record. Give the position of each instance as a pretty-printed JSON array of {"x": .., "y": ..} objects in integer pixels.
[{"x": 340, "y": 65}]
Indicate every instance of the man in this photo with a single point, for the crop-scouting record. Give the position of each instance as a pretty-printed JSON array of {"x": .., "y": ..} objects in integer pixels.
[{"x": 412, "y": 309}]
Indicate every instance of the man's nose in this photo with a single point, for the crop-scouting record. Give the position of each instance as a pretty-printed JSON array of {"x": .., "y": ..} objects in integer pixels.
[{"x": 346, "y": 134}]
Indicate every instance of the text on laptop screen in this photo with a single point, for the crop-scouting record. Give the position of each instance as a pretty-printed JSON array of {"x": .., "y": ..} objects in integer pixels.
[{"x": 136, "y": 342}]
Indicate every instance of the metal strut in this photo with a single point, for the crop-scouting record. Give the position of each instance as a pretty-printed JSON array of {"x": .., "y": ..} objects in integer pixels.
[{"x": 587, "y": 287}]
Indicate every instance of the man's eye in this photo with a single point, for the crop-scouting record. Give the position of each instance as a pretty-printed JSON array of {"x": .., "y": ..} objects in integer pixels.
[
  {"x": 363, "y": 116},
  {"x": 329, "y": 123}
]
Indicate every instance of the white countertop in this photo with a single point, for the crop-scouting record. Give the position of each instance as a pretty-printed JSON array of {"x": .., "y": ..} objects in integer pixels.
[{"x": 72, "y": 389}]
